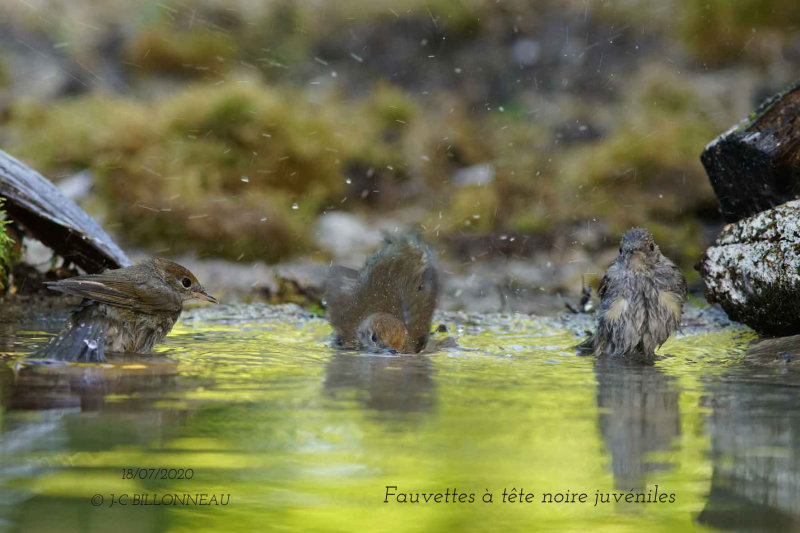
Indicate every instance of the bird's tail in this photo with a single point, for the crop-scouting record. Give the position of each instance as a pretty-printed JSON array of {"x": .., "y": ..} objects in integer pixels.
[
  {"x": 587, "y": 347},
  {"x": 81, "y": 341}
]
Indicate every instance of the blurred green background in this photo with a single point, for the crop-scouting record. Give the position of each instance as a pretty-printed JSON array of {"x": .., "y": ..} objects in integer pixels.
[
  {"x": 521, "y": 138},
  {"x": 228, "y": 127}
]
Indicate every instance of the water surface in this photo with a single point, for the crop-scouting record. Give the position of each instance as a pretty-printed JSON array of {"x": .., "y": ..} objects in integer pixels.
[{"x": 300, "y": 436}]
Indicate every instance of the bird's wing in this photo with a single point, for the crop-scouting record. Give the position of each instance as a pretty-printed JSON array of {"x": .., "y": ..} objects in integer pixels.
[
  {"x": 341, "y": 279},
  {"x": 114, "y": 288},
  {"x": 682, "y": 289},
  {"x": 418, "y": 303},
  {"x": 601, "y": 290},
  {"x": 341, "y": 293}
]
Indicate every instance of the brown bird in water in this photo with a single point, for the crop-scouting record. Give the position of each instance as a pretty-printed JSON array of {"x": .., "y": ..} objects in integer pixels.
[
  {"x": 124, "y": 310},
  {"x": 389, "y": 303},
  {"x": 641, "y": 301}
]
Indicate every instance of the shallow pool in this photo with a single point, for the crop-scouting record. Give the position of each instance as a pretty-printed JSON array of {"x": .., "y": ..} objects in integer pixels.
[{"x": 248, "y": 420}]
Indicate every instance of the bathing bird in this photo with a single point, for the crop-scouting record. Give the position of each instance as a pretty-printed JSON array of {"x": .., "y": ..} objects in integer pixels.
[
  {"x": 641, "y": 301},
  {"x": 123, "y": 310},
  {"x": 389, "y": 303}
]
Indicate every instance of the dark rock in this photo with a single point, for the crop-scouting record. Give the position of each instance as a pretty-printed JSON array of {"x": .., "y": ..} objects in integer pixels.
[
  {"x": 44, "y": 211},
  {"x": 756, "y": 164},
  {"x": 753, "y": 270}
]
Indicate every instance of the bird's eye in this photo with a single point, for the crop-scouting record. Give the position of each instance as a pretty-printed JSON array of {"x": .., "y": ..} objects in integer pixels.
[
  {"x": 186, "y": 282},
  {"x": 374, "y": 337},
  {"x": 652, "y": 247},
  {"x": 620, "y": 249}
]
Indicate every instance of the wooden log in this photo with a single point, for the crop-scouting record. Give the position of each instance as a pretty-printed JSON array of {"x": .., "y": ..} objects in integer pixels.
[
  {"x": 756, "y": 164},
  {"x": 55, "y": 220}
]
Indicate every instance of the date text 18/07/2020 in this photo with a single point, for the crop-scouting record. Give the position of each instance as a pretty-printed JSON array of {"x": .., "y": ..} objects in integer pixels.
[{"x": 157, "y": 473}]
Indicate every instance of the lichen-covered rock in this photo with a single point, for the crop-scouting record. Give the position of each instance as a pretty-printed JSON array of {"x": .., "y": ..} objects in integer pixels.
[
  {"x": 756, "y": 164},
  {"x": 753, "y": 270}
]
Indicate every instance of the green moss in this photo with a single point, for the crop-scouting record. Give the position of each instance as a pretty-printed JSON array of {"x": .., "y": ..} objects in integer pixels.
[
  {"x": 95, "y": 126},
  {"x": 392, "y": 107},
  {"x": 527, "y": 195},
  {"x": 199, "y": 51},
  {"x": 721, "y": 31},
  {"x": 242, "y": 170},
  {"x": 473, "y": 209},
  {"x": 6, "y": 251},
  {"x": 647, "y": 171},
  {"x": 231, "y": 170},
  {"x": 238, "y": 170},
  {"x": 447, "y": 139}
]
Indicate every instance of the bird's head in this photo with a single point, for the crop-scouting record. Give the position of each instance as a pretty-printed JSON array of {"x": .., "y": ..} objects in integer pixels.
[
  {"x": 182, "y": 281},
  {"x": 381, "y": 331},
  {"x": 638, "y": 249}
]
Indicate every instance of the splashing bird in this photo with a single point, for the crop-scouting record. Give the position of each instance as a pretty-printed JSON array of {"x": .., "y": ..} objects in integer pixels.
[
  {"x": 124, "y": 310},
  {"x": 389, "y": 303},
  {"x": 642, "y": 296}
]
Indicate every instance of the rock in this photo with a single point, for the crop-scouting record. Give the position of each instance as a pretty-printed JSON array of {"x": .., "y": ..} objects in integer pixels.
[
  {"x": 346, "y": 237},
  {"x": 78, "y": 186},
  {"x": 753, "y": 270},
  {"x": 756, "y": 164},
  {"x": 474, "y": 175},
  {"x": 300, "y": 282},
  {"x": 526, "y": 52},
  {"x": 54, "y": 219},
  {"x": 779, "y": 352}
]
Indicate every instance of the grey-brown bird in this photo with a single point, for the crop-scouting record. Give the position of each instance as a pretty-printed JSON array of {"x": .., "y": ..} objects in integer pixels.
[
  {"x": 124, "y": 310},
  {"x": 642, "y": 296},
  {"x": 389, "y": 303}
]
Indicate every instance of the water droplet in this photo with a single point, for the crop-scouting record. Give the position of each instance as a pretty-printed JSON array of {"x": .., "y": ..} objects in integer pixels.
[{"x": 295, "y": 207}]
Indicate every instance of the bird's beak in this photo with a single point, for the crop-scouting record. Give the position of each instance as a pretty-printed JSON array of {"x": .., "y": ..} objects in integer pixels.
[
  {"x": 395, "y": 342},
  {"x": 203, "y": 295},
  {"x": 636, "y": 258}
]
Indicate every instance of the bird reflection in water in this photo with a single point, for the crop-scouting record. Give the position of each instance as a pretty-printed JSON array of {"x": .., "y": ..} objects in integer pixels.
[
  {"x": 42, "y": 386},
  {"x": 638, "y": 415},
  {"x": 384, "y": 383}
]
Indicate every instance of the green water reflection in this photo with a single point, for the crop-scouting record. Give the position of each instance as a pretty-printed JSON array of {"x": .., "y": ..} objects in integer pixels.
[{"x": 304, "y": 437}]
